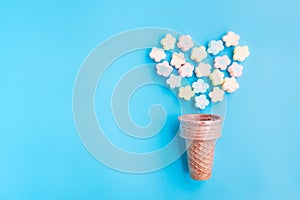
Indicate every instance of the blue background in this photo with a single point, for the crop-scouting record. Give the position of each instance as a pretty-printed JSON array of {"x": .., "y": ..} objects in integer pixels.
[{"x": 43, "y": 44}]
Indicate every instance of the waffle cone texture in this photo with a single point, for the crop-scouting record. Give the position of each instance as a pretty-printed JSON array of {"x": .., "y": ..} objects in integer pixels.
[{"x": 201, "y": 132}]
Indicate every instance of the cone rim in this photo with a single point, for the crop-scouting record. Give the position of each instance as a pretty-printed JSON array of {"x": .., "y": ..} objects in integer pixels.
[{"x": 203, "y": 119}]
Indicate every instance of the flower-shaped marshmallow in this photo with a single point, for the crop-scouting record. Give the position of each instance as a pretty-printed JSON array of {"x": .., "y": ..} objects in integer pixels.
[
  {"x": 203, "y": 69},
  {"x": 235, "y": 69},
  {"x": 177, "y": 60},
  {"x": 174, "y": 81},
  {"x": 216, "y": 94},
  {"x": 185, "y": 42},
  {"x": 216, "y": 77},
  {"x": 231, "y": 39},
  {"x": 157, "y": 54},
  {"x": 201, "y": 101},
  {"x": 168, "y": 42},
  {"x": 186, "y": 70},
  {"x": 200, "y": 86},
  {"x": 214, "y": 47},
  {"x": 230, "y": 84},
  {"x": 221, "y": 62},
  {"x": 164, "y": 69},
  {"x": 186, "y": 92},
  {"x": 198, "y": 53},
  {"x": 240, "y": 53}
]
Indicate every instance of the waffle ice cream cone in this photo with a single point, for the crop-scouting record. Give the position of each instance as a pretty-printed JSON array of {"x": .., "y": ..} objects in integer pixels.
[{"x": 201, "y": 132}]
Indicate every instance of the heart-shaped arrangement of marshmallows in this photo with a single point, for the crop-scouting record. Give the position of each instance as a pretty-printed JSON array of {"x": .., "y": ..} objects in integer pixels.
[{"x": 208, "y": 81}]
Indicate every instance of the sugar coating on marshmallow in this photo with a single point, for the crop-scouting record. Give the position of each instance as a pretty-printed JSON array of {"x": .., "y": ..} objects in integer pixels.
[
  {"x": 231, "y": 39},
  {"x": 221, "y": 62},
  {"x": 164, "y": 69},
  {"x": 186, "y": 70},
  {"x": 216, "y": 77},
  {"x": 203, "y": 69},
  {"x": 157, "y": 54},
  {"x": 168, "y": 42},
  {"x": 240, "y": 53},
  {"x": 216, "y": 94},
  {"x": 230, "y": 85},
  {"x": 198, "y": 53},
  {"x": 177, "y": 60},
  {"x": 200, "y": 86},
  {"x": 174, "y": 81},
  {"x": 186, "y": 92},
  {"x": 185, "y": 42},
  {"x": 201, "y": 101},
  {"x": 215, "y": 46},
  {"x": 235, "y": 69}
]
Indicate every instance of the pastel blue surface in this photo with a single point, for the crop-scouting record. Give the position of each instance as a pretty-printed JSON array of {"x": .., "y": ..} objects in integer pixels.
[{"x": 43, "y": 44}]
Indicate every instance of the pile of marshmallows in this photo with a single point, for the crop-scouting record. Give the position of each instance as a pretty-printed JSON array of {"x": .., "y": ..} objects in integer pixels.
[{"x": 184, "y": 68}]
